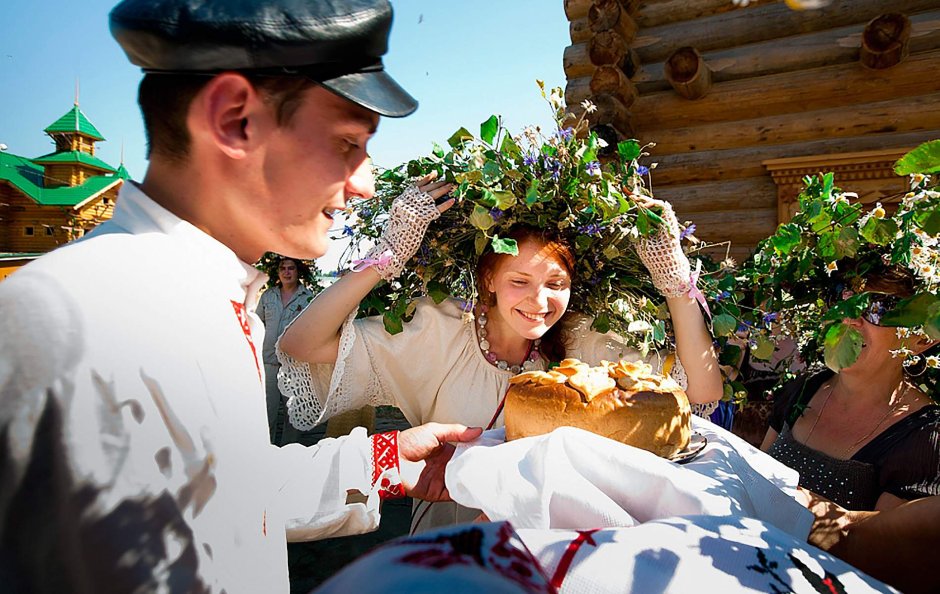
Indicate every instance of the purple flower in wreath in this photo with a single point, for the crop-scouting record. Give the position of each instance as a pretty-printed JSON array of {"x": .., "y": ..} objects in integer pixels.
[
  {"x": 496, "y": 213},
  {"x": 722, "y": 295},
  {"x": 642, "y": 169},
  {"x": 687, "y": 231},
  {"x": 593, "y": 168},
  {"x": 348, "y": 231},
  {"x": 590, "y": 229},
  {"x": 769, "y": 317},
  {"x": 565, "y": 134},
  {"x": 530, "y": 160},
  {"x": 553, "y": 166}
]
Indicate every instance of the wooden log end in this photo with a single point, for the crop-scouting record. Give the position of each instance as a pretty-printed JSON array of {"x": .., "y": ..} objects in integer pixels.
[
  {"x": 688, "y": 73},
  {"x": 885, "y": 41}
]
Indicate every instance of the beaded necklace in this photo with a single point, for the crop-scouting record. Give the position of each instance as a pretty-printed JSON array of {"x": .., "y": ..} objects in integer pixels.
[{"x": 531, "y": 357}]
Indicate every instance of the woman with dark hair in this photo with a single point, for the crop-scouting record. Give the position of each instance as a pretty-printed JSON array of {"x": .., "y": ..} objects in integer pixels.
[
  {"x": 452, "y": 364},
  {"x": 867, "y": 437}
]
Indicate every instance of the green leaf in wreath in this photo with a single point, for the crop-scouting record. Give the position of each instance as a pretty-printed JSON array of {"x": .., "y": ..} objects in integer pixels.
[
  {"x": 932, "y": 325},
  {"x": 481, "y": 218},
  {"x": 913, "y": 311},
  {"x": 437, "y": 291},
  {"x": 730, "y": 354},
  {"x": 928, "y": 221},
  {"x": 786, "y": 238},
  {"x": 479, "y": 242},
  {"x": 879, "y": 231},
  {"x": 841, "y": 346},
  {"x": 643, "y": 221},
  {"x": 459, "y": 137},
  {"x": 492, "y": 172},
  {"x": 504, "y": 246},
  {"x": 488, "y": 129},
  {"x": 504, "y": 199},
  {"x": 509, "y": 147},
  {"x": 437, "y": 151},
  {"x": 628, "y": 150},
  {"x": 923, "y": 159},
  {"x": 392, "y": 322},
  {"x": 532, "y": 194},
  {"x": 601, "y": 323},
  {"x": 724, "y": 325},
  {"x": 763, "y": 348}
]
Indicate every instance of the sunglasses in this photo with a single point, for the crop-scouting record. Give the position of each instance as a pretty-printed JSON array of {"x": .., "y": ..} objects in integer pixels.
[{"x": 878, "y": 307}]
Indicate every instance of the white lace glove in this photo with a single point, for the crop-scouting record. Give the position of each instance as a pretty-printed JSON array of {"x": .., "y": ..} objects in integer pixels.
[
  {"x": 411, "y": 214},
  {"x": 662, "y": 255}
]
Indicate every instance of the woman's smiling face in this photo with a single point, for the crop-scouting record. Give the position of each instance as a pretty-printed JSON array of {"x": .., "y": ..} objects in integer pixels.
[{"x": 532, "y": 289}]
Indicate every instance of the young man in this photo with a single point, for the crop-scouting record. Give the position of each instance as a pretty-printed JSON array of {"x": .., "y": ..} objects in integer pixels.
[
  {"x": 135, "y": 454},
  {"x": 277, "y": 307}
]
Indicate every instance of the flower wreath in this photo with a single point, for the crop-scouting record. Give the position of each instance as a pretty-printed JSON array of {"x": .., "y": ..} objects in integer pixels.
[
  {"x": 811, "y": 274},
  {"x": 568, "y": 181}
]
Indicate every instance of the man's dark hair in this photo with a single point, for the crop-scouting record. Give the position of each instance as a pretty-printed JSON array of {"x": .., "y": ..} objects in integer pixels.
[{"x": 164, "y": 101}]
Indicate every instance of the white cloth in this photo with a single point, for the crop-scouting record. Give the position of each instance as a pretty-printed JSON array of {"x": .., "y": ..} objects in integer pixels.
[
  {"x": 574, "y": 479},
  {"x": 694, "y": 554},
  {"x": 670, "y": 556},
  {"x": 433, "y": 371},
  {"x": 126, "y": 375}
]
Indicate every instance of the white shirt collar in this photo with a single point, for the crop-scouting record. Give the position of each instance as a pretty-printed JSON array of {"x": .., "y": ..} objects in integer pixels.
[{"x": 138, "y": 213}]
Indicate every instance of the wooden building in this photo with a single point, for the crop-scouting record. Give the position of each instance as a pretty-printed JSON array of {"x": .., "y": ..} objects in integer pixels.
[
  {"x": 52, "y": 199},
  {"x": 743, "y": 101}
]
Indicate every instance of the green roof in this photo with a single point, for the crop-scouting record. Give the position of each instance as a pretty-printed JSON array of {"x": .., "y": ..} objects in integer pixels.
[
  {"x": 27, "y": 177},
  {"x": 74, "y": 157},
  {"x": 74, "y": 121}
]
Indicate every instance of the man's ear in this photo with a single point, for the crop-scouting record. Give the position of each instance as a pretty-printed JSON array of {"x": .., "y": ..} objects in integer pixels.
[{"x": 230, "y": 114}]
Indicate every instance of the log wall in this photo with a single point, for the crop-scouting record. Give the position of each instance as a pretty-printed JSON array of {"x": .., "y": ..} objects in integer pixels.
[{"x": 780, "y": 84}]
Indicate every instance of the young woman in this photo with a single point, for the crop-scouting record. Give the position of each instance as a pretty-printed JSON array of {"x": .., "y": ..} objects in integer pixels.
[
  {"x": 449, "y": 365},
  {"x": 866, "y": 437}
]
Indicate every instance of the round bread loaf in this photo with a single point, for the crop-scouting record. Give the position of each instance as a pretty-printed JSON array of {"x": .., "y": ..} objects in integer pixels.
[{"x": 623, "y": 401}]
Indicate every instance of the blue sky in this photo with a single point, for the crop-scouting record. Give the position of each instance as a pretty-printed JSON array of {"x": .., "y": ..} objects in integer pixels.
[{"x": 463, "y": 60}]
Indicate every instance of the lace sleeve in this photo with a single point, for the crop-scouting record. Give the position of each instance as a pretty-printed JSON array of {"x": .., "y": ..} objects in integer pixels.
[
  {"x": 678, "y": 373},
  {"x": 316, "y": 393}
]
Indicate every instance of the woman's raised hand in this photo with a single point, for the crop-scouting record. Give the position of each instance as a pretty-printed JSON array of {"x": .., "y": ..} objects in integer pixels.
[{"x": 438, "y": 190}]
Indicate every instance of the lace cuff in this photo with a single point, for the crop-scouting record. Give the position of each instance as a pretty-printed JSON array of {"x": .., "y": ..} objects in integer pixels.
[
  {"x": 306, "y": 406},
  {"x": 411, "y": 214},
  {"x": 663, "y": 257}
]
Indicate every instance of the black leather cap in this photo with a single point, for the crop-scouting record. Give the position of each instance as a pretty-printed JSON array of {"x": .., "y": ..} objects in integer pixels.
[{"x": 338, "y": 43}]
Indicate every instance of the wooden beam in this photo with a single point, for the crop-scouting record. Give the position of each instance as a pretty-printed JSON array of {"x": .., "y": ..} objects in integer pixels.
[
  {"x": 687, "y": 73},
  {"x": 653, "y": 13},
  {"x": 607, "y": 47},
  {"x": 798, "y": 52},
  {"x": 885, "y": 41},
  {"x": 576, "y": 61},
  {"x": 579, "y": 30},
  {"x": 907, "y": 114},
  {"x": 770, "y": 21},
  {"x": 747, "y": 226},
  {"x": 610, "y": 15},
  {"x": 705, "y": 166},
  {"x": 576, "y": 9},
  {"x": 735, "y": 194},
  {"x": 790, "y": 92},
  {"x": 611, "y": 111},
  {"x": 611, "y": 80},
  {"x": 577, "y": 90}
]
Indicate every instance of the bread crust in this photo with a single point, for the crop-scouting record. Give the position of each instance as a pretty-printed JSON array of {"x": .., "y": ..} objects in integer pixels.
[{"x": 657, "y": 420}]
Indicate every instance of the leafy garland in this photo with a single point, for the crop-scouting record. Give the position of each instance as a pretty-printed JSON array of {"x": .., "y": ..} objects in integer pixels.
[
  {"x": 810, "y": 275},
  {"x": 567, "y": 180}
]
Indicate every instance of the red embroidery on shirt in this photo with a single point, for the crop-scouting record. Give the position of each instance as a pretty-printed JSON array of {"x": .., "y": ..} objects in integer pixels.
[
  {"x": 584, "y": 536},
  {"x": 385, "y": 457},
  {"x": 242, "y": 314}
]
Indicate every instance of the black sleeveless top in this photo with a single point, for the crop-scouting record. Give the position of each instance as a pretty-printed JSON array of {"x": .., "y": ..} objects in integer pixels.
[{"x": 903, "y": 460}]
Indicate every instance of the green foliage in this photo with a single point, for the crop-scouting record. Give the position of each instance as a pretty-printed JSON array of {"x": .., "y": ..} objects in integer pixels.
[{"x": 924, "y": 159}]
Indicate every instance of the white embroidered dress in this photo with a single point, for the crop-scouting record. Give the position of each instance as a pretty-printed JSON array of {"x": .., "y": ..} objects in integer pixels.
[
  {"x": 433, "y": 371},
  {"x": 135, "y": 449}
]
